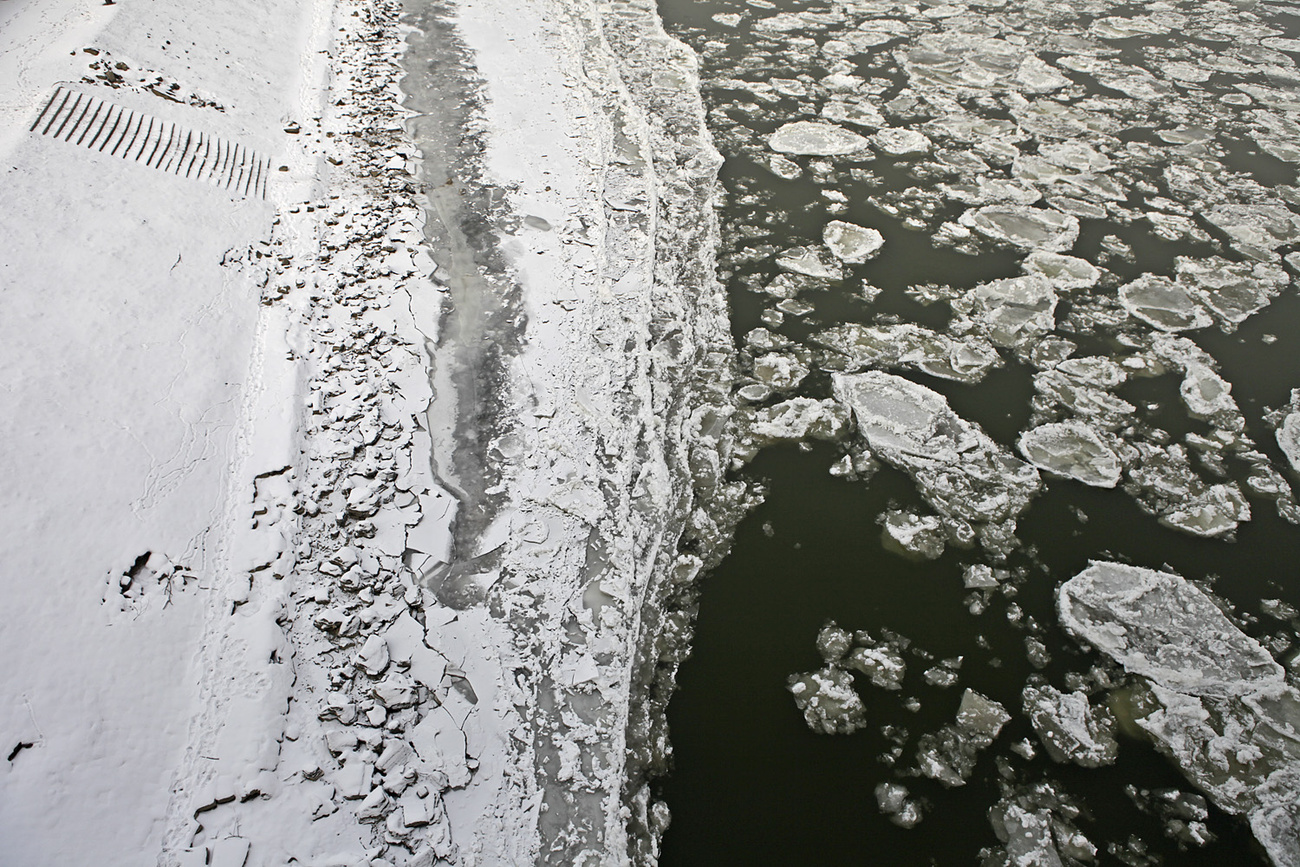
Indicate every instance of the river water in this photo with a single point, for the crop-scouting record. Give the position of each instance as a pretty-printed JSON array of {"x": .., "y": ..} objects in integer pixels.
[{"x": 1155, "y": 146}]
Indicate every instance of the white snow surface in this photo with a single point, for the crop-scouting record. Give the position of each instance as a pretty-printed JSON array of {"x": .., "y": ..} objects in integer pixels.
[{"x": 229, "y": 462}]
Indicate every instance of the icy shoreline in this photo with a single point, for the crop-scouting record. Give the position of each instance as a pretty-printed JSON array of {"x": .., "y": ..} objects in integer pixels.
[{"x": 410, "y": 589}]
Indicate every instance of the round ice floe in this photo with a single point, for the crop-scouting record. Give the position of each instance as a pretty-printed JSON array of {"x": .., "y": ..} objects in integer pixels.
[
  {"x": 1162, "y": 303},
  {"x": 810, "y": 138},
  {"x": 1073, "y": 450},
  {"x": 1063, "y": 272},
  {"x": 900, "y": 142},
  {"x": 1024, "y": 227},
  {"x": 851, "y": 243}
]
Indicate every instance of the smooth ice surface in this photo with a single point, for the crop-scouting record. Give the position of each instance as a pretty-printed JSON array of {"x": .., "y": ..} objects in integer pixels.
[
  {"x": 810, "y": 138},
  {"x": 1071, "y": 449}
]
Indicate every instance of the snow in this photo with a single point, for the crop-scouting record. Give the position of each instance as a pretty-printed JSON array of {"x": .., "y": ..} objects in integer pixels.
[{"x": 245, "y": 654}]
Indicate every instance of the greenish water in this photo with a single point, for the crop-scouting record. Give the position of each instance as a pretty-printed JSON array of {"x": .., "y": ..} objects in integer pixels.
[{"x": 752, "y": 784}]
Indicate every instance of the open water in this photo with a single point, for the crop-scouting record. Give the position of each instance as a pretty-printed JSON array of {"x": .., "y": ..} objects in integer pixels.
[{"x": 1185, "y": 111}]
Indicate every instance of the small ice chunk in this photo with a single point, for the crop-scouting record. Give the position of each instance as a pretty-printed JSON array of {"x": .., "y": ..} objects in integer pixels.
[
  {"x": 1162, "y": 303},
  {"x": 1025, "y": 227},
  {"x": 784, "y": 168},
  {"x": 828, "y": 701},
  {"x": 882, "y": 664},
  {"x": 816, "y": 262},
  {"x": 811, "y": 138},
  {"x": 900, "y": 142},
  {"x": 800, "y": 418},
  {"x": 1257, "y": 230},
  {"x": 976, "y": 486},
  {"x": 1070, "y": 727},
  {"x": 979, "y": 577},
  {"x": 833, "y": 643},
  {"x": 851, "y": 243},
  {"x": 949, "y": 755},
  {"x": 1205, "y": 393},
  {"x": 779, "y": 372},
  {"x": 859, "y": 113},
  {"x": 1231, "y": 291},
  {"x": 1071, "y": 449},
  {"x": 1011, "y": 311},
  {"x": 894, "y": 801},
  {"x": 915, "y": 537}
]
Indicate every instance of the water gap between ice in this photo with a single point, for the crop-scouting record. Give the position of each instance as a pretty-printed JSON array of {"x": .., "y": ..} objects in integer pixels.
[{"x": 1154, "y": 131}]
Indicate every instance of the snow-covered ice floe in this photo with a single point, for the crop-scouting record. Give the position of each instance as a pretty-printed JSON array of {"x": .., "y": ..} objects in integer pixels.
[
  {"x": 1213, "y": 699},
  {"x": 976, "y": 487}
]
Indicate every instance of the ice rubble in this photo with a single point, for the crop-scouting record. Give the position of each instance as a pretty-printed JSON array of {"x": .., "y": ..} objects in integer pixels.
[
  {"x": 974, "y": 485},
  {"x": 1211, "y": 697},
  {"x": 1070, "y": 727},
  {"x": 949, "y": 755}
]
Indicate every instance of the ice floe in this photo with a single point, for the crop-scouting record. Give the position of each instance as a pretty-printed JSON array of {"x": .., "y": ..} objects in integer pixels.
[
  {"x": 1213, "y": 699},
  {"x": 809, "y": 138},
  {"x": 1074, "y": 450}
]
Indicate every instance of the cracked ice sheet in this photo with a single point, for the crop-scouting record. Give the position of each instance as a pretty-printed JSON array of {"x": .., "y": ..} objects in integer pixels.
[
  {"x": 126, "y": 347},
  {"x": 579, "y": 171}
]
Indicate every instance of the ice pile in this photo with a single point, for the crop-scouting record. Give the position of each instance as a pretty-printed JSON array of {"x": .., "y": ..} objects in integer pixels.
[
  {"x": 826, "y": 697},
  {"x": 1211, "y": 697},
  {"x": 1071, "y": 728},
  {"x": 1036, "y": 827},
  {"x": 949, "y": 755},
  {"x": 976, "y": 487}
]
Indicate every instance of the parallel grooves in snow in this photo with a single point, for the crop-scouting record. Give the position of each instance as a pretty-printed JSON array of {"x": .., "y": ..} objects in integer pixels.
[{"x": 164, "y": 146}]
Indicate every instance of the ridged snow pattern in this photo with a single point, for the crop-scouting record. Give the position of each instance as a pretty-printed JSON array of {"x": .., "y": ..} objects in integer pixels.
[{"x": 92, "y": 123}]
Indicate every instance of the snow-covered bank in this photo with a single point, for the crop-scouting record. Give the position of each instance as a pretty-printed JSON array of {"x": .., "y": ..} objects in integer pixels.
[{"x": 347, "y": 525}]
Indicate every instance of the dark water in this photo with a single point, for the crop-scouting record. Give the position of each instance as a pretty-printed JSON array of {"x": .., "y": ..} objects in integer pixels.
[{"x": 752, "y": 784}]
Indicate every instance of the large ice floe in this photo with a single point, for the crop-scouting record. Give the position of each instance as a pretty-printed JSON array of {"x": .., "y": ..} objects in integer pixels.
[
  {"x": 975, "y": 486},
  {"x": 1210, "y": 696}
]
